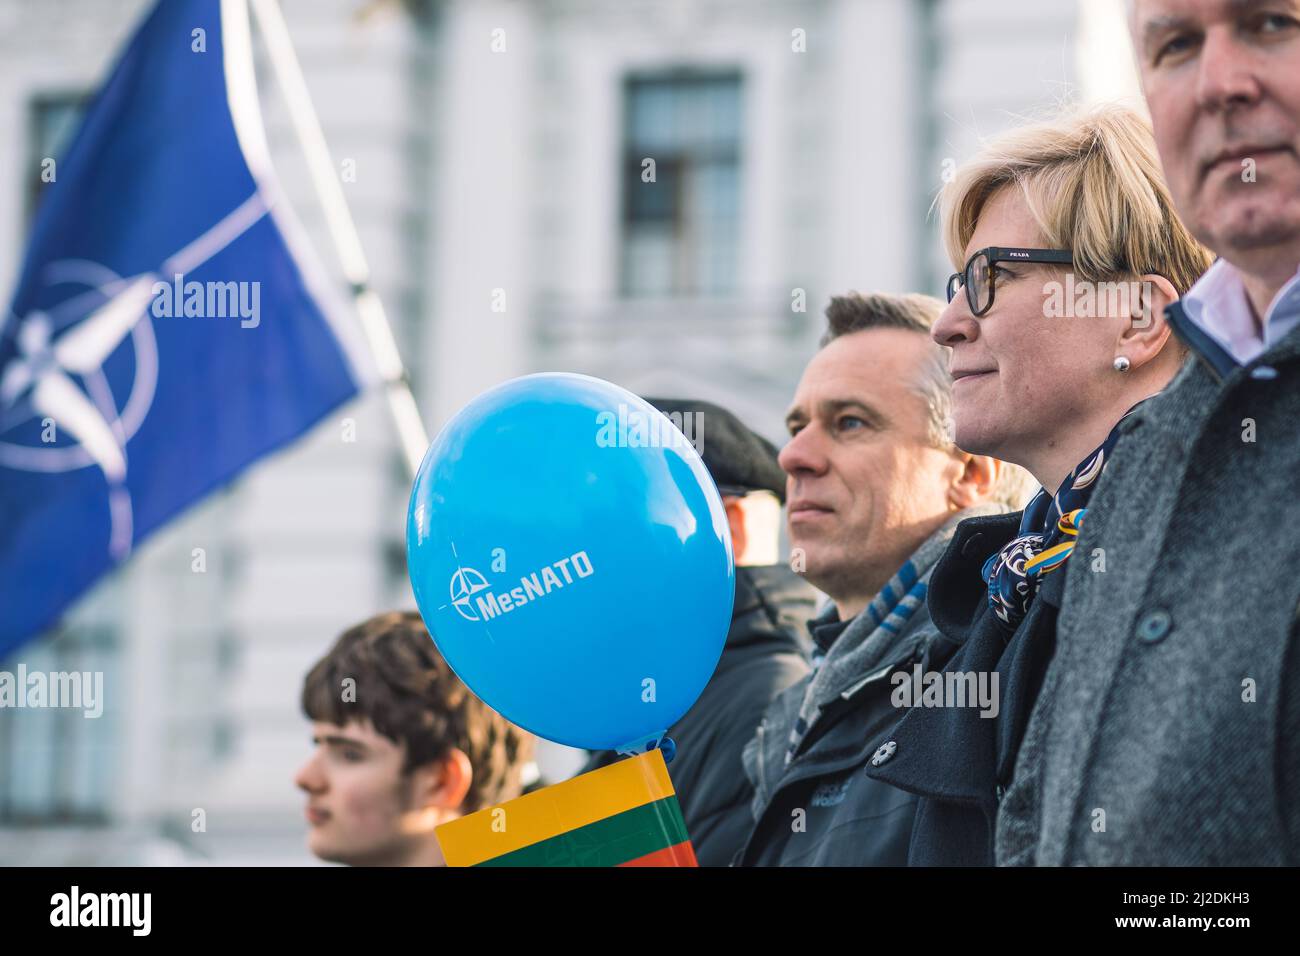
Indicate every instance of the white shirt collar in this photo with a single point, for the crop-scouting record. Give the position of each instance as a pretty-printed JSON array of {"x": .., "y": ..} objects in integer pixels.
[{"x": 1218, "y": 304}]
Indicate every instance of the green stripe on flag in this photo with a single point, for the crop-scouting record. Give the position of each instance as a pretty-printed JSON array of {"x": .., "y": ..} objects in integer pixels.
[{"x": 609, "y": 842}]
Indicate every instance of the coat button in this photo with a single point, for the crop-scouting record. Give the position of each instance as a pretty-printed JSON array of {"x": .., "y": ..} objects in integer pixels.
[
  {"x": 884, "y": 753},
  {"x": 1263, "y": 373},
  {"x": 1155, "y": 626},
  {"x": 971, "y": 544}
]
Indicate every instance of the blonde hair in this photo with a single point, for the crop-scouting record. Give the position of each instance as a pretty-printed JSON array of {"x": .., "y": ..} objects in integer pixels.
[{"x": 1093, "y": 183}]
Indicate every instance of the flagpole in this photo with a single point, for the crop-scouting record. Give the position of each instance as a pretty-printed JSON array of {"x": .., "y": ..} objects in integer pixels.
[{"x": 411, "y": 432}]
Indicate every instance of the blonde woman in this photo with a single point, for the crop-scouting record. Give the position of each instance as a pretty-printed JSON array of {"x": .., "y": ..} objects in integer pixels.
[{"x": 1067, "y": 250}]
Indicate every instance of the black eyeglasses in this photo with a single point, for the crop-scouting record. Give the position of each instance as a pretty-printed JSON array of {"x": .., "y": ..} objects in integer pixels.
[{"x": 977, "y": 277}]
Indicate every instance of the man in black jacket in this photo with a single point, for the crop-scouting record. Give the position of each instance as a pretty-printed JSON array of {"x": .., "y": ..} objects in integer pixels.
[
  {"x": 767, "y": 645},
  {"x": 875, "y": 491}
]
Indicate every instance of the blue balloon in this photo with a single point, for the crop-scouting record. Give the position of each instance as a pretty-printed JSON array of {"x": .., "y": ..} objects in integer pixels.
[{"x": 570, "y": 555}]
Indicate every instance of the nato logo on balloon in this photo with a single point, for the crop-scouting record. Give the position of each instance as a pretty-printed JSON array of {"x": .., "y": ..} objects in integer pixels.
[{"x": 576, "y": 573}]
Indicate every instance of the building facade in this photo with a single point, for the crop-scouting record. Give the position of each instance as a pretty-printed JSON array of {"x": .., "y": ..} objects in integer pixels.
[{"x": 662, "y": 194}]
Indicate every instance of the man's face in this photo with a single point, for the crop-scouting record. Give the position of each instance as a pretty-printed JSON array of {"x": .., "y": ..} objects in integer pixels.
[
  {"x": 864, "y": 480},
  {"x": 357, "y": 796},
  {"x": 1222, "y": 79}
]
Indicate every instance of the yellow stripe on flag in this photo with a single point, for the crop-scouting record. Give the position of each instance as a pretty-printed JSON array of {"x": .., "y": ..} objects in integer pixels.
[{"x": 546, "y": 813}]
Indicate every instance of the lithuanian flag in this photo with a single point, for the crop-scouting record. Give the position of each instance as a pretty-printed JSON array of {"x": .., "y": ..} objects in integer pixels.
[{"x": 625, "y": 814}]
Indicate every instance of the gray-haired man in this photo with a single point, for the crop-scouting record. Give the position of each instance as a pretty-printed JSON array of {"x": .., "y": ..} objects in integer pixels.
[{"x": 1168, "y": 728}]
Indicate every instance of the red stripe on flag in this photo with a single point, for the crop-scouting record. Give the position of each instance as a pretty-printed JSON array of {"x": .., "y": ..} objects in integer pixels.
[{"x": 681, "y": 854}]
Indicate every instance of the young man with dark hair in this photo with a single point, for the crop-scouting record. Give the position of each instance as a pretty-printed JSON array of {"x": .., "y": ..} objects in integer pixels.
[{"x": 401, "y": 747}]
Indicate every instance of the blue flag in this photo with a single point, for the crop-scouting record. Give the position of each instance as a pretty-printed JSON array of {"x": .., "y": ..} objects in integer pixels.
[{"x": 168, "y": 326}]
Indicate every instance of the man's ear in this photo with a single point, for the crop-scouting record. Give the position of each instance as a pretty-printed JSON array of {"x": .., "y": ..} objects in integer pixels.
[
  {"x": 445, "y": 783},
  {"x": 975, "y": 482},
  {"x": 1146, "y": 332},
  {"x": 736, "y": 522}
]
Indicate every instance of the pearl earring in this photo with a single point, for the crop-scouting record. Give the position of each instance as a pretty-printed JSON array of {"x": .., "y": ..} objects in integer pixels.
[{"x": 1121, "y": 363}]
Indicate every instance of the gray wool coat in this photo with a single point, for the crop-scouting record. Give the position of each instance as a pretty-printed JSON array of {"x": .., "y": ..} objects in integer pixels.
[{"x": 1168, "y": 728}]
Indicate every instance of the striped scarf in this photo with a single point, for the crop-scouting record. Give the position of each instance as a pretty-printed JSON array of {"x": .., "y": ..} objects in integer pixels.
[
  {"x": 875, "y": 632},
  {"x": 1049, "y": 528}
]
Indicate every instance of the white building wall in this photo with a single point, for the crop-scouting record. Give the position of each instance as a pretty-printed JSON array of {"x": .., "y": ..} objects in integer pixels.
[
  {"x": 482, "y": 187},
  {"x": 478, "y": 171},
  {"x": 206, "y": 705}
]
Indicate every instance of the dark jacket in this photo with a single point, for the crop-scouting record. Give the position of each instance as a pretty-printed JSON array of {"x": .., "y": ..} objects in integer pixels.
[
  {"x": 766, "y": 651},
  {"x": 820, "y": 808},
  {"x": 954, "y": 758},
  {"x": 1168, "y": 727}
]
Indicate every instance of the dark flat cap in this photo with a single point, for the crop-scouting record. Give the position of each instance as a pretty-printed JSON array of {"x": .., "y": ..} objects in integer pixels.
[{"x": 739, "y": 459}]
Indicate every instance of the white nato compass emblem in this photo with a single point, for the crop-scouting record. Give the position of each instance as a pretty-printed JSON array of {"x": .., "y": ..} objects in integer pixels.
[
  {"x": 465, "y": 583},
  {"x": 56, "y": 374}
]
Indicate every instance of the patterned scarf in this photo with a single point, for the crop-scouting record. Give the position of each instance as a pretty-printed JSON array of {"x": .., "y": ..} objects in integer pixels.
[
  {"x": 1048, "y": 530},
  {"x": 873, "y": 633}
]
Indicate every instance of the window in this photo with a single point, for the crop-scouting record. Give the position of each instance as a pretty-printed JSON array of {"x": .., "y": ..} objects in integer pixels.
[
  {"x": 54, "y": 120},
  {"x": 680, "y": 232},
  {"x": 56, "y": 765}
]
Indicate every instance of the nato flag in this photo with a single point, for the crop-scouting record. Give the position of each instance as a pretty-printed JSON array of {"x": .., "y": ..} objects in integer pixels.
[{"x": 168, "y": 327}]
